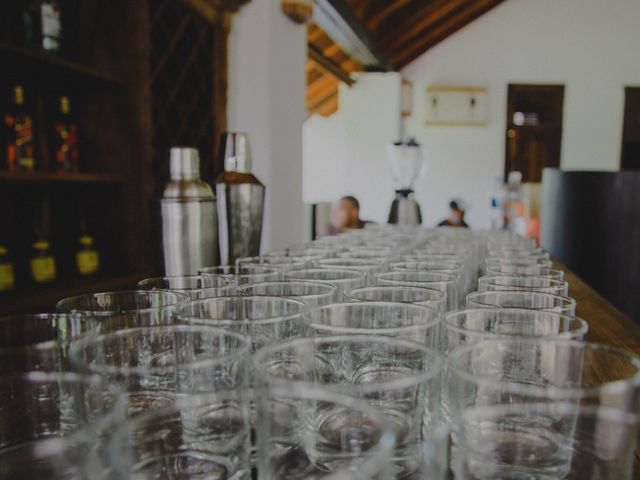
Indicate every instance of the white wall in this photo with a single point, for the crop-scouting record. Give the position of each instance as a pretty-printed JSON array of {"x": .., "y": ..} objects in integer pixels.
[
  {"x": 266, "y": 98},
  {"x": 590, "y": 46},
  {"x": 345, "y": 154}
]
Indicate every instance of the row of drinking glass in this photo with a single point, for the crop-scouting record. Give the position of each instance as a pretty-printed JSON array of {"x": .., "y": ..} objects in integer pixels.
[{"x": 197, "y": 383}]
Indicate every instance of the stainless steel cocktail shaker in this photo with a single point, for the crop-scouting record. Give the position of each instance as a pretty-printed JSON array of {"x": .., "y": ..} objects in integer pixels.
[
  {"x": 188, "y": 210},
  {"x": 240, "y": 198}
]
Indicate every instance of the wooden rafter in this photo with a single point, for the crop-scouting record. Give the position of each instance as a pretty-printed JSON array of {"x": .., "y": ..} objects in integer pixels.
[{"x": 328, "y": 65}]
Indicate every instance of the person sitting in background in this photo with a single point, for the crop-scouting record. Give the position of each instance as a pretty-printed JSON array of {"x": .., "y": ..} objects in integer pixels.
[
  {"x": 346, "y": 216},
  {"x": 456, "y": 216}
]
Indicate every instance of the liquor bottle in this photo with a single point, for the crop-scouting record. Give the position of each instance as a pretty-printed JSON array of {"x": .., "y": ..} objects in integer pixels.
[
  {"x": 7, "y": 277},
  {"x": 43, "y": 264},
  {"x": 42, "y": 24},
  {"x": 65, "y": 138},
  {"x": 87, "y": 258},
  {"x": 19, "y": 127}
]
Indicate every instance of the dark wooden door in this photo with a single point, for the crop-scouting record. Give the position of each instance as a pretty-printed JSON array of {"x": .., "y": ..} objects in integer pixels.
[
  {"x": 534, "y": 129},
  {"x": 631, "y": 129}
]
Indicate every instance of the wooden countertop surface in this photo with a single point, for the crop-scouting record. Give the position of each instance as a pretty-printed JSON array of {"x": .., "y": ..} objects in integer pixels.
[{"x": 607, "y": 324}]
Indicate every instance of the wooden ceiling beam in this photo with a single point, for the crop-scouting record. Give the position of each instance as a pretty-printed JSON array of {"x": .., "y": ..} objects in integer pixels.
[
  {"x": 346, "y": 12},
  {"x": 376, "y": 18},
  {"x": 328, "y": 106},
  {"x": 412, "y": 29},
  {"x": 450, "y": 25},
  {"x": 318, "y": 100},
  {"x": 321, "y": 85},
  {"x": 328, "y": 65}
]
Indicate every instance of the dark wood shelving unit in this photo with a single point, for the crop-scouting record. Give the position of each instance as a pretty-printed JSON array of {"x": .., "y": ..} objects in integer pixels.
[
  {"x": 52, "y": 63},
  {"x": 103, "y": 68},
  {"x": 61, "y": 177}
]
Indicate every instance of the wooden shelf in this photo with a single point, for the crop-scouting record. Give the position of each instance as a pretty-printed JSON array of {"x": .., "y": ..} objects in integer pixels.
[
  {"x": 42, "y": 298},
  {"x": 60, "y": 177},
  {"x": 52, "y": 62}
]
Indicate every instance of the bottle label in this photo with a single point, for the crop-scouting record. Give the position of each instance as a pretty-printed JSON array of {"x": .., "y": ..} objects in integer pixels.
[
  {"x": 43, "y": 269},
  {"x": 87, "y": 262},
  {"x": 66, "y": 147},
  {"x": 51, "y": 27},
  {"x": 20, "y": 146},
  {"x": 6, "y": 277}
]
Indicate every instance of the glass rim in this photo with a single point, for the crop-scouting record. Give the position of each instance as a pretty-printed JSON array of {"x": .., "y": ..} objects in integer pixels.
[
  {"x": 456, "y": 355},
  {"x": 494, "y": 278},
  {"x": 349, "y": 293},
  {"x": 355, "y": 274},
  {"x": 230, "y": 282},
  {"x": 484, "y": 412},
  {"x": 52, "y": 445},
  {"x": 452, "y": 280},
  {"x": 277, "y": 260},
  {"x": 61, "y": 305},
  {"x": 434, "y": 369},
  {"x": 554, "y": 273},
  {"x": 327, "y": 287},
  {"x": 344, "y": 261},
  {"x": 434, "y": 318},
  {"x": 78, "y": 347},
  {"x": 448, "y": 316},
  {"x": 191, "y": 320},
  {"x": 258, "y": 266},
  {"x": 566, "y": 302}
]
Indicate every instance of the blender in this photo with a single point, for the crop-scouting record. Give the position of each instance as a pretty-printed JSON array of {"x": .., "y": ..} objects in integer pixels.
[{"x": 406, "y": 163}]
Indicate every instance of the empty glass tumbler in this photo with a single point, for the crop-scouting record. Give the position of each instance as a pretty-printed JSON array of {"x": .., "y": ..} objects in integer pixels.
[
  {"x": 429, "y": 297},
  {"x": 445, "y": 282},
  {"x": 547, "y": 441},
  {"x": 196, "y": 286},
  {"x": 471, "y": 325},
  {"x": 394, "y": 319},
  {"x": 312, "y": 293},
  {"x": 155, "y": 364},
  {"x": 245, "y": 274},
  {"x": 125, "y": 309},
  {"x": 54, "y": 425},
  {"x": 522, "y": 299},
  {"x": 343, "y": 279},
  {"x": 489, "y": 283}
]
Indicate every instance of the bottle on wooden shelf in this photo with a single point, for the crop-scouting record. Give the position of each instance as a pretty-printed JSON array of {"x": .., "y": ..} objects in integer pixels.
[
  {"x": 19, "y": 138},
  {"x": 42, "y": 24},
  {"x": 87, "y": 256},
  {"x": 64, "y": 143},
  {"x": 43, "y": 263},
  {"x": 7, "y": 276}
]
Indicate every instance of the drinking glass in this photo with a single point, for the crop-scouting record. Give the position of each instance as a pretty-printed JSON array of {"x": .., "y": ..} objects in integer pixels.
[
  {"x": 530, "y": 283},
  {"x": 519, "y": 262},
  {"x": 196, "y": 286},
  {"x": 53, "y": 424},
  {"x": 111, "y": 311},
  {"x": 546, "y": 441},
  {"x": 197, "y": 437},
  {"x": 522, "y": 299},
  {"x": 402, "y": 320},
  {"x": 525, "y": 270},
  {"x": 445, "y": 282},
  {"x": 281, "y": 263},
  {"x": 245, "y": 274},
  {"x": 471, "y": 325},
  {"x": 305, "y": 432},
  {"x": 429, "y": 297},
  {"x": 369, "y": 266},
  {"x": 39, "y": 341},
  {"x": 154, "y": 364},
  {"x": 312, "y": 293},
  {"x": 264, "y": 319},
  {"x": 400, "y": 378},
  {"x": 343, "y": 279},
  {"x": 523, "y": 370}
]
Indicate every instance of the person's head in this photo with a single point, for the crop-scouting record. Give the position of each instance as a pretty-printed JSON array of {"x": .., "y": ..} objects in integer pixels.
[
  {"x": 347, "y": 213},
  {"x": 456, "y": 216}
]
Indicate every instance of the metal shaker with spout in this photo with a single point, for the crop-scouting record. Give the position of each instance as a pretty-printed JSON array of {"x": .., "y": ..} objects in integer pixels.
[
  {"x": 240, "y": 204},
  {"x": 188, "y": 209},
  {"x": 406, "y": 163}
]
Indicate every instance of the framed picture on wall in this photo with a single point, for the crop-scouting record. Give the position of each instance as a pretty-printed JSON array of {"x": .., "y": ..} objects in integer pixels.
[{"x": 457, "y": 106}]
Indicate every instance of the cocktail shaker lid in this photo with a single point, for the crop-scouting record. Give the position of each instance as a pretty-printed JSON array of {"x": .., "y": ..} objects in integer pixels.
[
  {"x": 236, "y": 152},
  {"x": 184, "y": 163}
]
